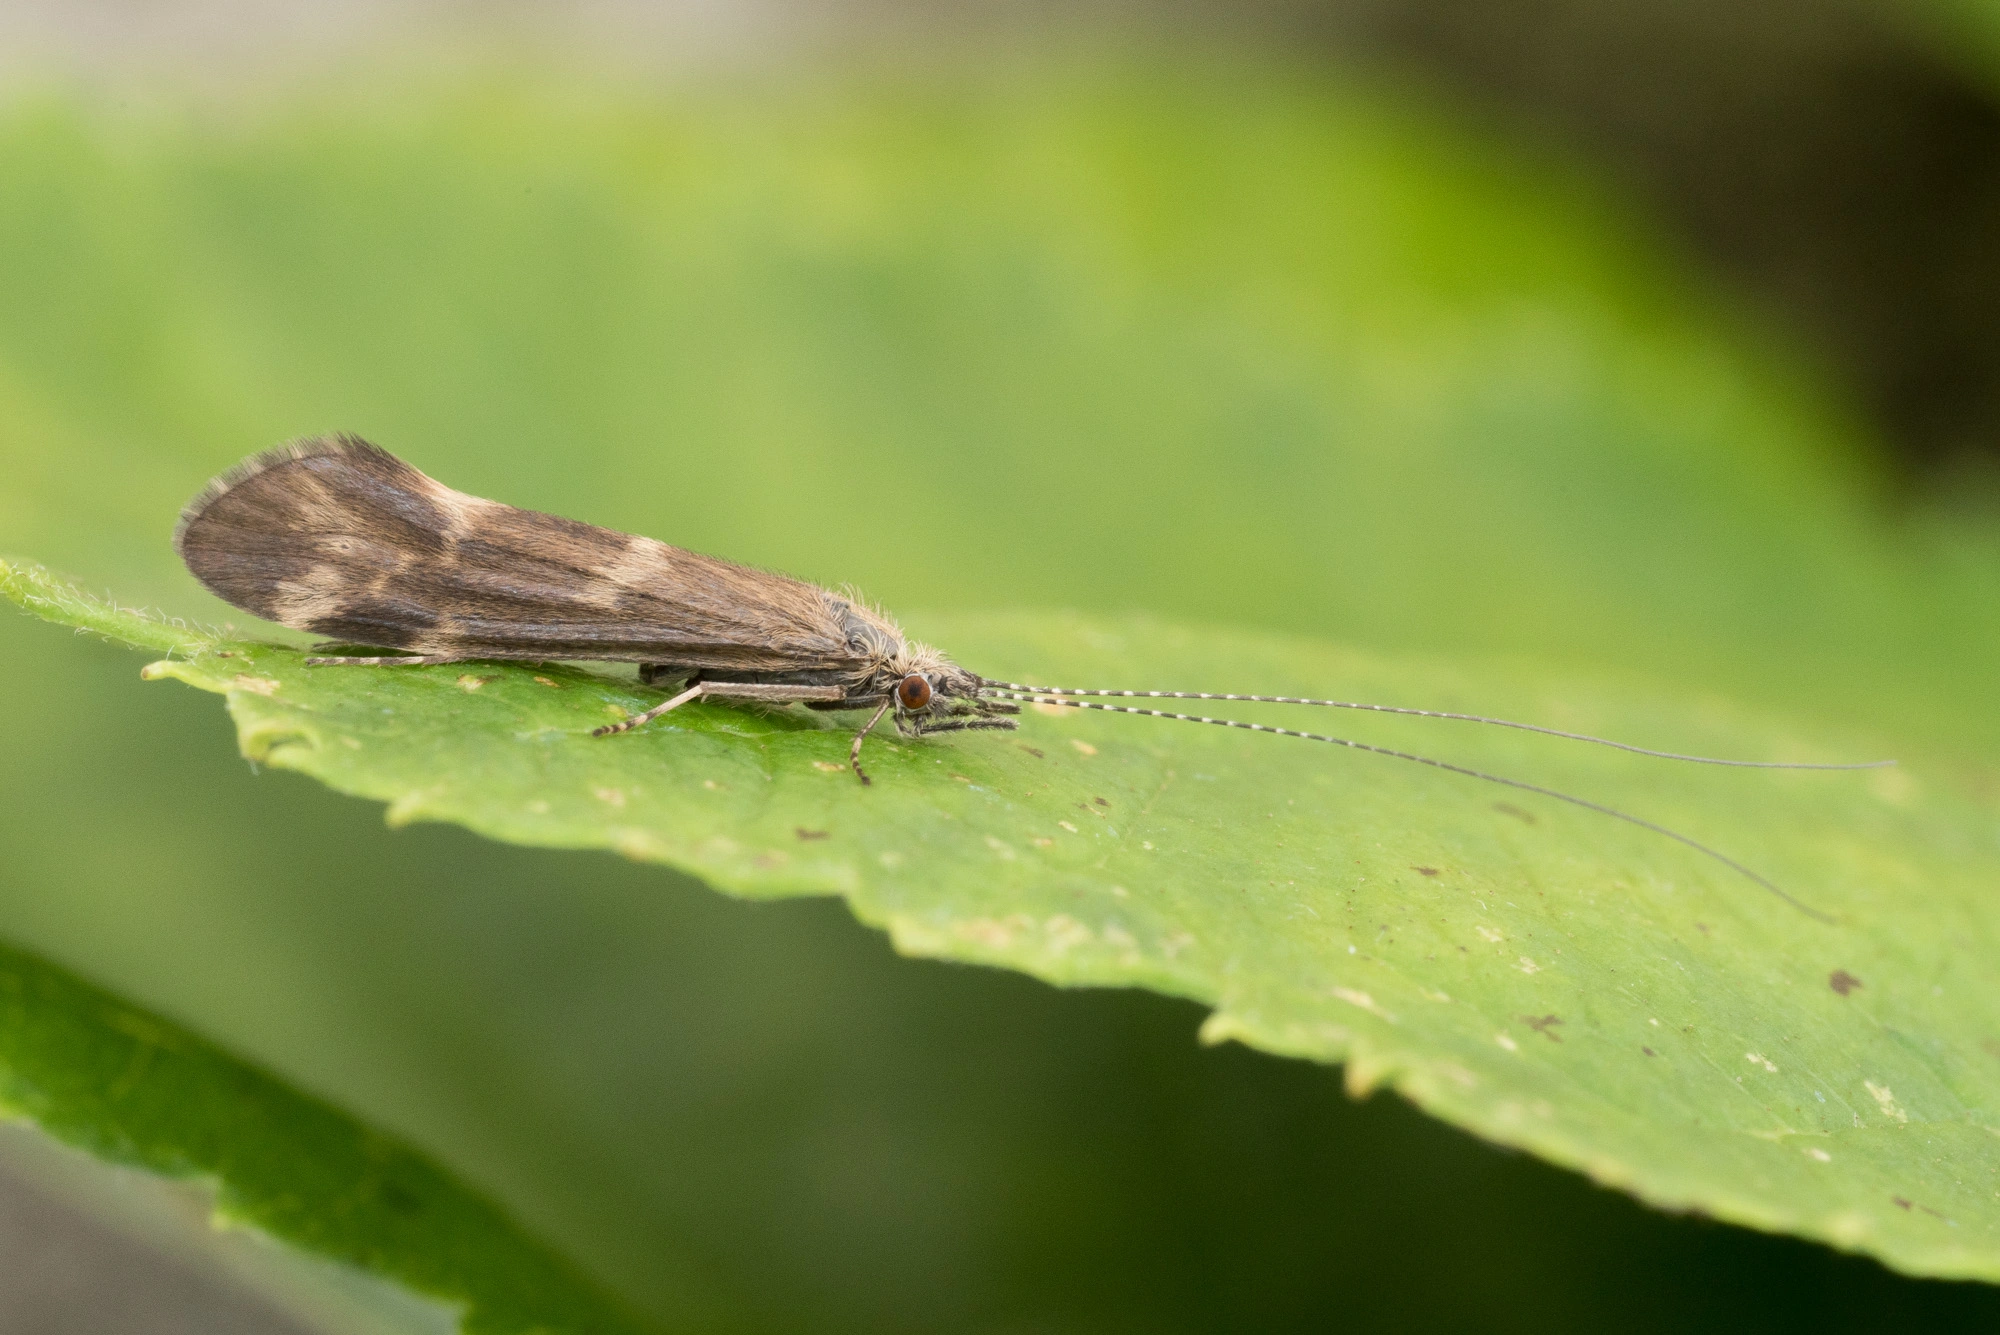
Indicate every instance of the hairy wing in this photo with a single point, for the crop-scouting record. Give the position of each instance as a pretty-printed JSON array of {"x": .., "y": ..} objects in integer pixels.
[{"x": 338, "y": 537}]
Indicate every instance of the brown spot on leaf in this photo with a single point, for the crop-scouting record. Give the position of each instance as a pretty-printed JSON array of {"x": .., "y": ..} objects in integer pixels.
[
  {"x": 553, "y": 685},
  {"x": 1649, "y": 1052},
  {"x": 1100, "y": 801},
  {"x": 1545, "y": 1026},
  {"x": 1509, "y": 809},
  {"x": 1841, "y": 981},
  {"x": 804, "y": 833},
  {"x": 1034, "y": 751},
  {"x": 1425, "y": 871},
  {"x": 1901, "y": 1204}
]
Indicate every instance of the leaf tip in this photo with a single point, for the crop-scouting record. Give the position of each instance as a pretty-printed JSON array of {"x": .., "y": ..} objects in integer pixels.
[
  {"x": 1365, "y": 1073},
  {"x": 1222, "y": 1027},
  {"x": 408, "y": 808}
]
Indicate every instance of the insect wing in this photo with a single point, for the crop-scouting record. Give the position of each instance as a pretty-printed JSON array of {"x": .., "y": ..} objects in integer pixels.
[{"x": 340, "y": 538}]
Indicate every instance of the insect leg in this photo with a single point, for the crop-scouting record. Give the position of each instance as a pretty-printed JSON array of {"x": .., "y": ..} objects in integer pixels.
[
  {"x": 968, "y": 725},
  {"x": 854, "y": 751},
  {"x": 777, "y": 693},
  {"x": 388, "y": 660},
  {"x": 725, "y": 690},
  {"x": 961, "y": 708},
  {"x": 694, "y": 692}
]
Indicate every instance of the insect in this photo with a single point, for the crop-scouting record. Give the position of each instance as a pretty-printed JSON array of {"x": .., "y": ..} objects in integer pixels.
[{"x": 340, "y": 538}]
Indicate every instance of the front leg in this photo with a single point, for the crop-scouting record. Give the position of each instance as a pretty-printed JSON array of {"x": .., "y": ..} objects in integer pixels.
[
  {"x": 965, "y": 725},
  {"x": 963, "y": 705}
]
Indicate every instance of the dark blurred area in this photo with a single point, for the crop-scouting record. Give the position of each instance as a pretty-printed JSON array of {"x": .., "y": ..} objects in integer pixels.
[{"x": 1838, "y": 163}]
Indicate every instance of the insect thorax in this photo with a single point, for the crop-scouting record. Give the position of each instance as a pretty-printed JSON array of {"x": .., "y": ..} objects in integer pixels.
[{"x": 887, "y": 655}]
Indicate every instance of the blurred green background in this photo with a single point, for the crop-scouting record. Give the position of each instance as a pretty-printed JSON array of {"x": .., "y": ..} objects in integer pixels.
[{"x": 1331, "y": 323}]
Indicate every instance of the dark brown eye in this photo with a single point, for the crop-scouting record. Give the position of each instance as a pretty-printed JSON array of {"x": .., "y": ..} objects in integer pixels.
[{"x": 914, "y": 692}]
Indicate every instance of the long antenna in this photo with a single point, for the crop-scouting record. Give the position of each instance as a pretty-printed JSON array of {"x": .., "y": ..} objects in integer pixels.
[
  {"x": 1585, "y": 803},
  {"x": 1004, "y": 687}
]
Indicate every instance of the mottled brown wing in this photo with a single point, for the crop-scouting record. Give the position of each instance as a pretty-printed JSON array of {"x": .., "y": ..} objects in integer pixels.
[{"x": 338, "y": 537}]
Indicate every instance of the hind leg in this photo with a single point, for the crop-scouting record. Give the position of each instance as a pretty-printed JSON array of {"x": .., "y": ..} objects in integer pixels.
[
  {"x": 726, "y": 690},
  {"x": 388, "y": 660}
]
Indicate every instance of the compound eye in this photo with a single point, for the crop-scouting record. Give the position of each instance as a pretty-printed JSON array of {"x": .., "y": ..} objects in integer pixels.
[{"x": 913, "y": 692}]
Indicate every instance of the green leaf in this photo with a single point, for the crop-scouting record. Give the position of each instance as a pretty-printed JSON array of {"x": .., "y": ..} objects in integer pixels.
[
  {"x": 131, "y": 1087},
  {"x": 1546, "y": 977}
]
